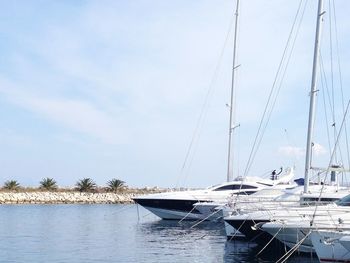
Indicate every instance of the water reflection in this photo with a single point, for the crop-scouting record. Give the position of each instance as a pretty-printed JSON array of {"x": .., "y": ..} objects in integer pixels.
[
  {"x": 239, "y": 251},
  {"x": 206, "y": 242},
  {"x": 202, "y": 243},
  {"x": 116, "y": 233}
]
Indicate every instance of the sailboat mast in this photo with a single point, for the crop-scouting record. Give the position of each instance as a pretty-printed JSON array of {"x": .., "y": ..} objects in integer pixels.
[
  {"x": 232, "y": 101},
  {"x": 313, "y": 94}
]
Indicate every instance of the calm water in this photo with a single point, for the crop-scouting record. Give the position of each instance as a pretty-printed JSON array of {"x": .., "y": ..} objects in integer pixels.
[{"x": 114, "y": 233}]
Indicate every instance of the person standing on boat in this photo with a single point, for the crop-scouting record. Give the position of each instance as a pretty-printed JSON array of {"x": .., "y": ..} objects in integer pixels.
[{"x": 274, "y": 175}]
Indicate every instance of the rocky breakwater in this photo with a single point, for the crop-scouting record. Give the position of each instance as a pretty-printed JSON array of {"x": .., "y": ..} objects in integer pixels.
[{"x": 65, "y": 198}]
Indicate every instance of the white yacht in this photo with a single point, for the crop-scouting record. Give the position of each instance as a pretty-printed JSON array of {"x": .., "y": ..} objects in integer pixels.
[
  {"x": 216, "y": 210},
  {"x": 246, "y": 216},
  {"x": 292, "y": 225},
  {"x": 292, "y": 228},
  {"x": 179, "y": 205}
]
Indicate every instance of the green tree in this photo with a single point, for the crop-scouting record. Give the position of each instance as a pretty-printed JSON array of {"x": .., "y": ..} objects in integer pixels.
[
  {"x": 11, "y": 185},
  {"x": 115, "y": 184},
  {"x": 85, "y": 185},
  {"x": 48, "y": 184}
]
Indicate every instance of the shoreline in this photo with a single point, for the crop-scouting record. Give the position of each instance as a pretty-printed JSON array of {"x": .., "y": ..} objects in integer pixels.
[{"x": 70, "y": 197}]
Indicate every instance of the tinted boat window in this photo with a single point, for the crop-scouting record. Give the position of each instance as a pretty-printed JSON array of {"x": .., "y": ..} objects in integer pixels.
[
  {"x": 247, "y": 193},
  {"x": 345, "y": 201},
  {"x": 317, "y": 199},
  {"x": 235, "y": 187}
]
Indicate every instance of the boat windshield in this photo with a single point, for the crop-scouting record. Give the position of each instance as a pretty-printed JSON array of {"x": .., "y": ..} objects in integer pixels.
[
  {"x": 213, "y": 186},
  {"x": 235, "y": 187},
  {"x": 345, "y": 201},
  {"x": 232, "y": 186}
]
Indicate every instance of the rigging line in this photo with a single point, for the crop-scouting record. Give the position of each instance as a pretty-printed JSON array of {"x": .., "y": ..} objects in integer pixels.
[
  {"x": 236, "y": 233},
  {"x": 283, "y": 76},
  {"x": 285, "y": 257},
  {"x": 278, "y": 90},
  {"x": 331, "y": 106},
  {"x": 291, "y": 142},
  {"x": 122, "y": 209},
  {"x": 238, "y": 147},
  {"x": 191, "y": 161},
  {"x": 332, "y": 109},
  {"x": 331, "y": 62},
  {"x": 332, "y": 71},
  {"x": 205, "y": 104},
  {"x": 187, "y": 214},
  {"x": 340, "y": 78},
  {"x": 325, "y": 108},
  {"x": 331, "y": 159},
  {"x": 273, "y": 86},
  {"x": 237, "y": 230},
  {"x": 274, "y": 236},
  {"x": 275, "y": 96},
  {"x": 206, "y": 218},
  {"x": 329, "y": 97}
]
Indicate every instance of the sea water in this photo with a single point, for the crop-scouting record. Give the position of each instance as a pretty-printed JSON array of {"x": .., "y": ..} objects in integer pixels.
[{"x": 116, "y": 233}]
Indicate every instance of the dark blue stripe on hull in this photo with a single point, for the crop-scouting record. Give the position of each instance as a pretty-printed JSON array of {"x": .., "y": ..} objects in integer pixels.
[{"x": 170, "y": 204}]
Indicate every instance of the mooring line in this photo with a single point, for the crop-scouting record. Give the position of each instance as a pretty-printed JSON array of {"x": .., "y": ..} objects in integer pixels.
[
  {"x": 205, "y": 218},
  {"x": 274, "y": 236}
]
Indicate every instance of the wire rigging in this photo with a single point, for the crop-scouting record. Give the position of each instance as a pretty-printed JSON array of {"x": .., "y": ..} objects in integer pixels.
[
  {"x": 340, "y": 79},
  {"x": 274, "y": 94},
  {"x": 323, "y": 83},
  {"x": 331, "y": 71},
  {"x": 203, "y": 112}
]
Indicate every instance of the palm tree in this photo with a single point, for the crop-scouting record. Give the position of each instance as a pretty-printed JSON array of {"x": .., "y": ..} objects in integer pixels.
[
  {"x": 48, "y": 184},
  {"x": 11, "y": 185},
  {"x": 85, "y": 185},
  {"x": 115, "y": 184}
]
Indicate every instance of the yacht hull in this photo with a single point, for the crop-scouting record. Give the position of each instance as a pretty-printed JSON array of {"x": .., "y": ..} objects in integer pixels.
[{"x": 171, "y": 209}]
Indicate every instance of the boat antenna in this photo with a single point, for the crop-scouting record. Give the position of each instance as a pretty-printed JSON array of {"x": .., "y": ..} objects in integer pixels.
[
  {"x": 232, "y": 101},
  {"x": 313, "y": 94}
]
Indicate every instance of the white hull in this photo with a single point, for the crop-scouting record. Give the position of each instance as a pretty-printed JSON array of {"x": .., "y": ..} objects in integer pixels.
[
  {"x": 174, "y": 215},
  {"x": 212, "y": 211},
  {"x": 291, "y": 236},
  {"x": 345, "y": 241},
  {"x": 328, "y": 246}
]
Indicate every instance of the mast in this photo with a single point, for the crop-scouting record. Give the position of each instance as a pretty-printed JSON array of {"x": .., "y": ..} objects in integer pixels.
[
  {"x": 313, "y": 94},
  {"x": 232, "y": 101}
]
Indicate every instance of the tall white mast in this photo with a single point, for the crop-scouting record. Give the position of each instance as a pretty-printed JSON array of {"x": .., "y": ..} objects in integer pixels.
[
  {"x": 232, "y": 102},
  {"x": 313, "y": 92}
]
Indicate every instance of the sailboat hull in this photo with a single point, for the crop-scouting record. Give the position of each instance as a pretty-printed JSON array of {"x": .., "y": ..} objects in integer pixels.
[
  {"x": 291, "y": 235},
  {"x": 246, "y": 228},
  {"x": 330, "y": 251}
]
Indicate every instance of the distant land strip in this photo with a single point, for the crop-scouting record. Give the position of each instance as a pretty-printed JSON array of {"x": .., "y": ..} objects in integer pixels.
[{"x": 72, "y": 197}]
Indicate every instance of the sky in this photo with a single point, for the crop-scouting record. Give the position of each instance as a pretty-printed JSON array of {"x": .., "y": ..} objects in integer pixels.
[{"x": 115, "y": 89}]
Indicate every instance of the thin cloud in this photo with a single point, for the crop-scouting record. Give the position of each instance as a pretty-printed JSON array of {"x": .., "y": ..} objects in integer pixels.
[
  {"x": 318, "y": 149},
  {"x": 292, "y": 151},
  {"x": 76, "y": 115}
]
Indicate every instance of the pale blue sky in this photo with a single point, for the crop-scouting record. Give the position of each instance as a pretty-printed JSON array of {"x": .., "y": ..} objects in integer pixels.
[{"x": 113, "y": 89}]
